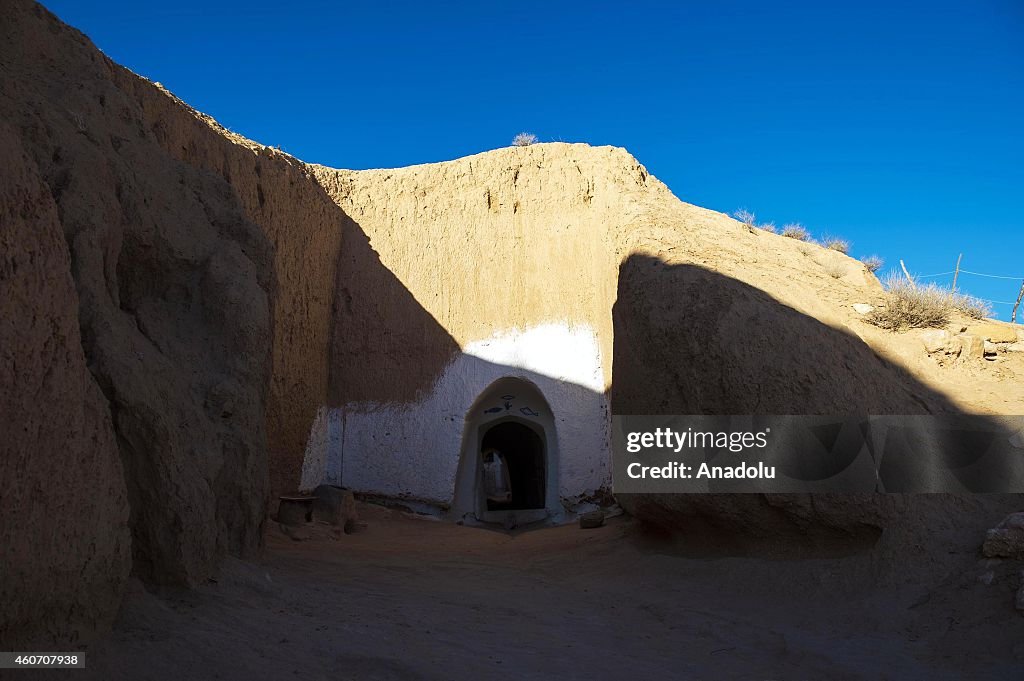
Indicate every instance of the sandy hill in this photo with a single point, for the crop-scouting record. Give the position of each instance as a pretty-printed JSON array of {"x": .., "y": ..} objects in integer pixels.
[
  {"x": 527, "y": 234},
  {"x": 182, "y": 305}
]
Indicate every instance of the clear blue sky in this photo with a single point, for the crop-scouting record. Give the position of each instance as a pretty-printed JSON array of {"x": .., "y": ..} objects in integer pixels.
[{"x": 898, "y": 125}]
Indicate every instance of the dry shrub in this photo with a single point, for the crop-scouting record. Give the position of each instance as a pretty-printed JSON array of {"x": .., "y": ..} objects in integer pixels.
[
  {"x": 524, "y": 139},
  {"x": 836, "y": 244},
  {"x": 975, "y": 308},
  {"x": 768, "y": 227},
  {"x": 908, "y": 306},
  {"x": 794, "y": 230},
  {"x": 873, "y": 263},
  {"x": 746, "y": 217},
  {"x": 836, "y": 270}
]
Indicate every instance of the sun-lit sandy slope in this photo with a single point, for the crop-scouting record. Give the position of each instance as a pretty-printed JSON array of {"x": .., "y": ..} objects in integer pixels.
[
  {"x": 522, "y": 236},
  {"x": 416, "y": 599}
]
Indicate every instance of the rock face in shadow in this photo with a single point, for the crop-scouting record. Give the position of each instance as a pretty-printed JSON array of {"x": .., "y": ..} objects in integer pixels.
[
  {"x": 384, "y": 347},
  {"x": 64, "y": 528},
  {"x": 173, "y": 284},
  {"x": 283, "y": 222},
  {"x": 689, "y": 340},
  {"x": 167, "y": 304}
]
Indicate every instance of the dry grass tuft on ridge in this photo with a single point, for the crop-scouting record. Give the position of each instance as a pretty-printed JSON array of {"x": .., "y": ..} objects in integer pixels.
[{"x": 909, "y": 307}]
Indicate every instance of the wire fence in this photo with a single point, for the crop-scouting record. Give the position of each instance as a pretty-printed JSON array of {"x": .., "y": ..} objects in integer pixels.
[{"x": 1011, "y": 303}]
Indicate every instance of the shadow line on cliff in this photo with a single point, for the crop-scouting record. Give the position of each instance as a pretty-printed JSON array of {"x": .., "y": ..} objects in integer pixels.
[{"x": 689, "y": 340}]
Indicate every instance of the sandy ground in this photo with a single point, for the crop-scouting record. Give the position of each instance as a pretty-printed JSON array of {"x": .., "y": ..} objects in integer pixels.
[{"x": 419, "y": 599}]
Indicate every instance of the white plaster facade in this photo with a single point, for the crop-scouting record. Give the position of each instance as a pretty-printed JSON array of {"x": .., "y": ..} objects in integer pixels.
[{"x": 413, "y": 450}]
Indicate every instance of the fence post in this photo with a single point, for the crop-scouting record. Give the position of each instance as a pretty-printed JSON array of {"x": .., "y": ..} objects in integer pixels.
[
  {"x": 956, "y": 274},
  {"x": 907, "y": 274},
  {"x": 1013, "y": 317}
]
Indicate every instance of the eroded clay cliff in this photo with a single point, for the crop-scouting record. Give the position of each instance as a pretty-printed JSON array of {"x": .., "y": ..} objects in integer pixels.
[
  {"x": 167, "y": 289},
  {"x": 63, "y": 505}
]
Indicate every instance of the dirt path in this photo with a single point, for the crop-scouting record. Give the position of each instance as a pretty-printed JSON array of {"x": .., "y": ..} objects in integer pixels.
[{"x": 416, "y": 599}]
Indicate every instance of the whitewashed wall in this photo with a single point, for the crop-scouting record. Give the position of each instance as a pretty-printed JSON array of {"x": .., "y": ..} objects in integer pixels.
[{"x": 412, "y": 450}]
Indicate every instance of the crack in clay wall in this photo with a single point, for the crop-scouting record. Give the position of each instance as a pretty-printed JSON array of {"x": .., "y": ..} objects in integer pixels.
[{"x": 412, "y": 450}]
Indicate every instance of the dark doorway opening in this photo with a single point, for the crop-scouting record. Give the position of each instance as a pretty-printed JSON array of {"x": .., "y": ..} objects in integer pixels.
[{"x": 519, "y": 450}]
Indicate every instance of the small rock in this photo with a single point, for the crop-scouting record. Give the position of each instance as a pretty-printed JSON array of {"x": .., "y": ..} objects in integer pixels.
[
  {"x": 1020, "y": 333},
  {"x": 1014, "y": 521},
  {"x": 997, "y": 333},
  {"x": 592, "y": 519},
  {"x": 1014, "y": 347},
  {"x": 1001, "y": 543},
  {"x": 863, "y": 308},
  {"x": 987, "y": 577},
  {"x": 990, "y": 350},
  {"x": 955, "y": 346},
  {"x": 936, "y": 340},
  {"x": 1007, "y": 539},
  {"x": 973, "y": 347}
]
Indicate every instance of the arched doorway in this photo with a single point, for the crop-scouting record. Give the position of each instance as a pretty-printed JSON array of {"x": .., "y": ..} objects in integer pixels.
[
  {"x": 514, "y": 469},
  {"x": 508, "y": 468}
]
